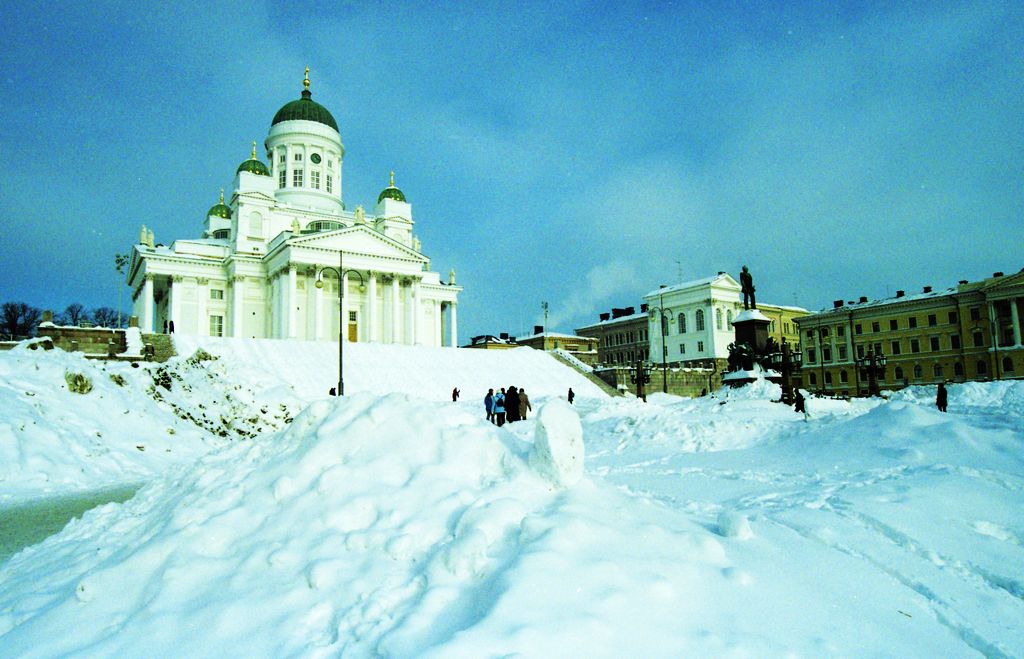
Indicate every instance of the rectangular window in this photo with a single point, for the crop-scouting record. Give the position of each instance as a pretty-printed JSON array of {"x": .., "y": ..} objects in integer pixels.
[
  {"x": 912, "y": 322},
  {"x": 878, "y": 348},
  {"x": 810, "y": 334},
  {"x": 283, "y": 159},
  {"x": 860, "y": 351},
  {"x": 700, "y": 346},
  {"x": 682, "y": 348},
  {"x": 785, "y": 328},
  {"x": 812, "y": 356},
  {"x": 330, "y": 164},
  {"x": 216, "y": 325},
  {"x": 281, "y": 177},
  {"x": 932, "y": 320},
  {"x": 876, "y": 327},
  {"x": 894, "y": 347},
  {"x": 934, "y": 341},
  {"x": 894, "y": 324},
  {"x": 979, "y": 339},
  {"x": 314, "y": 179},
  {"x": 330, "y": 181},
  {"x": 824, "y": 332},
  {"x": 842, "y": 353},
  {"x": 216, "y": 294},
  {"x": 857, "y": 329},
  {"x": 952, "y": 317},
  {"x": 975, "y": 313},
  {"x": 297, "y": 178},
  {"x": 840, "y": 330},
  {"x": 954, "y": 341},
  {"x": 826, "y": 354},
  {"x": 298, "y": 157},
  {"x": 915, "y": 345}
]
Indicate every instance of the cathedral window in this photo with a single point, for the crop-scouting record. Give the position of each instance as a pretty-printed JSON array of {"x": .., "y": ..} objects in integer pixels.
[
  {"x": 216, "y": 294},
  {"x": 282, "y": 177},
  {"x": 283, "y": 159},
  {"x": 216, "y": 325},
  {"x": 324, "y": 225},
  {"x": 298, "y": 157},
  {"x": 682, "y": 323},
  {"x": 718, "y": 318},
  {"x": 330, "y": 164},
  {"x": 314, "y": 179},
  {"x": 255, "y": 225},
  {"x": 223, "y": 234},
  {"x": 297, "y": 178},
  {"x": 700, "y": 320},
  {"x": 329, "y": 186}
]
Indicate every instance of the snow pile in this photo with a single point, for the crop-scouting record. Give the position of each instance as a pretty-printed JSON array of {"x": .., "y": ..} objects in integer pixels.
[
  {"x": 1005, "y": 395},
  {"x": 558, "y": 448},
  {"x": 310, "y": 368}
]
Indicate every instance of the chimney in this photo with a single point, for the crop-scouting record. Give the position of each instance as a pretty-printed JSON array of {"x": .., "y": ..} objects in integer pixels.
[
  {"x": 661, "y": 286},
  {"x": 538, "y": 329},
  {"x": 997, "y": 274},
  {"x": 643, "y": 308},
  {"x": 721, "y": 272},
  {"x": 503, "y": 336},
  {"x": 629, "y": 311},
  {"x": 863, "y": 299},
  {"x": 511, "y": 339},
  {"x": 927, "y": 289},
  {"x": 962, "y": 282},
  {"x": 836, "y": 304},
  {"x": 605, "y": 316},
  {"x": 900, "y": 293}
]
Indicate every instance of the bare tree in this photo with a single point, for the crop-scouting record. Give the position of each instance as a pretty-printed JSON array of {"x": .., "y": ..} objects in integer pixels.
[
  {"x": 18, "y": 320},
  {"x": 73, "y": 314},
  {"x": 106, "y": 317}
]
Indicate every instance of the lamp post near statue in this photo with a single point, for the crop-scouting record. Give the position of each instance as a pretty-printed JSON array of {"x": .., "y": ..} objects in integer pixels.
[
  {"x": 666, "y": 318},
  {"x": 340, "y": 271},
  {"x": 875, "y": 366}
]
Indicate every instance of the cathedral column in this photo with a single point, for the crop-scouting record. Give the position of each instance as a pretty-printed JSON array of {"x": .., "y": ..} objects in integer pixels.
[
  {"x": 455, "y": 325},
  {"x": 343, "y": 313},
  {"x": 438, "y": 323},
  {"x": 237, "y": 295},
  {"x": 175, "y": 305},
  {"x": 202, "y": 294},
  {"x": 147, "y": 304},
  {"x": 291, "y": 298},
  {"x": 318, "y": 310},
  {"x": 1015, "y": 315},
  {"x": 395, "y": 336},
  {"x": 414, "y": 303},
  {"x": 371, "y": 308}
]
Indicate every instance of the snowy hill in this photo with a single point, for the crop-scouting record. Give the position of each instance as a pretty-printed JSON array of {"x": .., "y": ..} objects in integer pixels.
[{"x": 282, "y": 522}]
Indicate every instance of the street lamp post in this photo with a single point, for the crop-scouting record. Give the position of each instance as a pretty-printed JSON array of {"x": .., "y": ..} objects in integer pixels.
[
  {"x": 787, "y": 362},
  {"x": 341, "y": 272},
  {"x": 640, "y": 377},
  {"x": 665, "y": 320},
  {"x": 875, "y": 365}
]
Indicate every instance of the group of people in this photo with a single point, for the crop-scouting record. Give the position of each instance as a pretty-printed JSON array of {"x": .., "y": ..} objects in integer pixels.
[{"x": 511, "y": 405}]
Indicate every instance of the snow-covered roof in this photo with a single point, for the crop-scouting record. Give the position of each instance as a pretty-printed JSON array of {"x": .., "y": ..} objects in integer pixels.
[
  {"x": 886, "y": 301},
  {"x": 613, "y": 321},
  {"x": 557, "y": 335},
  {"x": 692, "y": 284}
]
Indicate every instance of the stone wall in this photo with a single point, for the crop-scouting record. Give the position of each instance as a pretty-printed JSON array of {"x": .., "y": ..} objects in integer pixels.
[
  {"x": 691, "y": 382},
  {"x": 90, "y": 340}
]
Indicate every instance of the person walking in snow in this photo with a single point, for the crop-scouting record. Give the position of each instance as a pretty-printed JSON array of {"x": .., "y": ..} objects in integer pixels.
[
  {"x": 499, "y": 408},
  {"x": 455, "y": 394},
  {"x": 489, "y": 405},
  {"x": 512, "y": 405},
  {"x": 524, "y": 404},
  {"x": 799, "y": 405},
  {"x": 941, "y": 397},
  {"x": 571, "y": 395}
]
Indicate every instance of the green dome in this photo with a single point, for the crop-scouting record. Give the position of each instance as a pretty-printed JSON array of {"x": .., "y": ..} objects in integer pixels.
[
  {"x": 391, "y": 192},
  {"x": 220, "y": 209},
  {"x": 254, "y": 166},
  {"x": 305, "y": 109}
]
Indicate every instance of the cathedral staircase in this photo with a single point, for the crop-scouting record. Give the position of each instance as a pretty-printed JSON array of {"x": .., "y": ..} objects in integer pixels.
[
  {"x": 163, "y": 346},
  {"x": 605, "y": 387}
]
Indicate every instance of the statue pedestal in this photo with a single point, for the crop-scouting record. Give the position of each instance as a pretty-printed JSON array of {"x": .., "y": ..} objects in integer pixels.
[{"x": 751, "y": 329}]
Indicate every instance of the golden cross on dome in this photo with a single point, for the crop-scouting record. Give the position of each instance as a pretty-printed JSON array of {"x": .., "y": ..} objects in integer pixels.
[
  {"x": 305, "y": 81},
  {"x": 392, "y": 184},
  {"x": 254, "y": 149},
  {"x": 222, "y": 195}
]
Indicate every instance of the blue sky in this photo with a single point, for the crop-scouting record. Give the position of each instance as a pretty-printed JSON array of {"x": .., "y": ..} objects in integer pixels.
[{"x": 574, "y": 153}]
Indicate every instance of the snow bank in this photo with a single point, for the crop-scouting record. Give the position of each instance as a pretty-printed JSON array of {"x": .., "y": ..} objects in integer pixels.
[
  {"x": 310, "y": 368},
  {"x": 557, "y": 453}
]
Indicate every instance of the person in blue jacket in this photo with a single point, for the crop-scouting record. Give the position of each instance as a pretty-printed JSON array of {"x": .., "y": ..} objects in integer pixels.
[
  {"x": 489, "y": 405},
  {"x": 499, "y": 407}
]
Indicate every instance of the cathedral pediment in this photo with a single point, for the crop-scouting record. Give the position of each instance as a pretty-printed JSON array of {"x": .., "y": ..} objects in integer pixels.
[{"x": 357, "y": 239}]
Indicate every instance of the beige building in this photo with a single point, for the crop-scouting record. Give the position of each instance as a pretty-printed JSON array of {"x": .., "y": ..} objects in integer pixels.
[
  {"x": 971, "y": 331},
  {"x": 583, "y": 348},
  {"x": 621, "y": 336}
]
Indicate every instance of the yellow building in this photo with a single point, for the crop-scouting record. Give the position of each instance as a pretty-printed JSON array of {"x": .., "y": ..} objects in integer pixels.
[
  {"x": 583, "y": 348},
  {"x": 971, "y": 331}
]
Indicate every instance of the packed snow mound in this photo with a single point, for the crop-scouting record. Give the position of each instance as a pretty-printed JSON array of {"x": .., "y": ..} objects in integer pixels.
[
  {"x": 557, "y": 453},
  {"x": 369, "y": 527},
  {"x": 310, "y": 368},
  {"x": 53, "y": 441},
  {"x": 1005, "y": 395}
]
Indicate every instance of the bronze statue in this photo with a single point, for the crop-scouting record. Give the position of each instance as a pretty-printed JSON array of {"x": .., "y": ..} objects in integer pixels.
[{"x": 747, "y": 285}]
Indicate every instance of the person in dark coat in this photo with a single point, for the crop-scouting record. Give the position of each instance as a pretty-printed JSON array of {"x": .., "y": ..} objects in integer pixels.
[
  {"x": 571, "y": 395},
  {"x": 524, "y": 404},
  {"x": 489, "y": 405},
  {"x": 499, "y": 408},
  {"x": 799, "y": 405},
  {"x": 941, "y": 397},
  {"x": 455, "y": 394},
  {"x": 512, "y": 405}
]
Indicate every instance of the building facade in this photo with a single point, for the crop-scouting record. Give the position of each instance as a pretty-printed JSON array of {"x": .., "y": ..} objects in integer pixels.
[
  {"x": 971, "y": 331},
  {"x": 621, "y": 337},
  {"x": 283, "y": 257},
  {"x": 691, "y": 323},
  {"x": 583, "y": 348}
]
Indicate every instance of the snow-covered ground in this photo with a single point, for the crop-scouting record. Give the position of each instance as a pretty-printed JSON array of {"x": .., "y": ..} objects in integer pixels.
[{"x": 276, "y": 521}]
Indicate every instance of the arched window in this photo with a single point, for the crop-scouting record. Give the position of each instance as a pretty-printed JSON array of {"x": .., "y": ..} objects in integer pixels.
[
  {"x": 813, "y": 378},
  {"x": 682, "y": 323},
  {"x": 982, "y": 367},
  {"x": 718, "y": 318},
  {"x": 958, "y": 369},
  {"x": 937, "y": 370},
  {"x": 323, "y": 225},
  {"x": 898, "y": 373},
  {"x": 1007, "y": 364},
  {"x": 700, "y": 320},
  {"x": 255, "y": 225},
  {"x": 728, "y": 318},
  {"x": 844, "y": 377},
  {"x": 828, "y": 377},
  {"x": 917, "y": 371},
  {"x": 222, "y": 234}
]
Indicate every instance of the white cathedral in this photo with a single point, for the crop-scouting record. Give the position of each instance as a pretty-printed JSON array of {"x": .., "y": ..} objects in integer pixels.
[{"x": 284, "y": 259}]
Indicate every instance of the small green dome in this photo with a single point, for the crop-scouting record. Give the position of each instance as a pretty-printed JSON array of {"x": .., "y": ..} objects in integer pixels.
[
  {"x": 254, "y": 166},
  {"x": 305, "y": 109},
  {"x": 220, "y": 209},
  {"x": 391, "y": 192}
]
